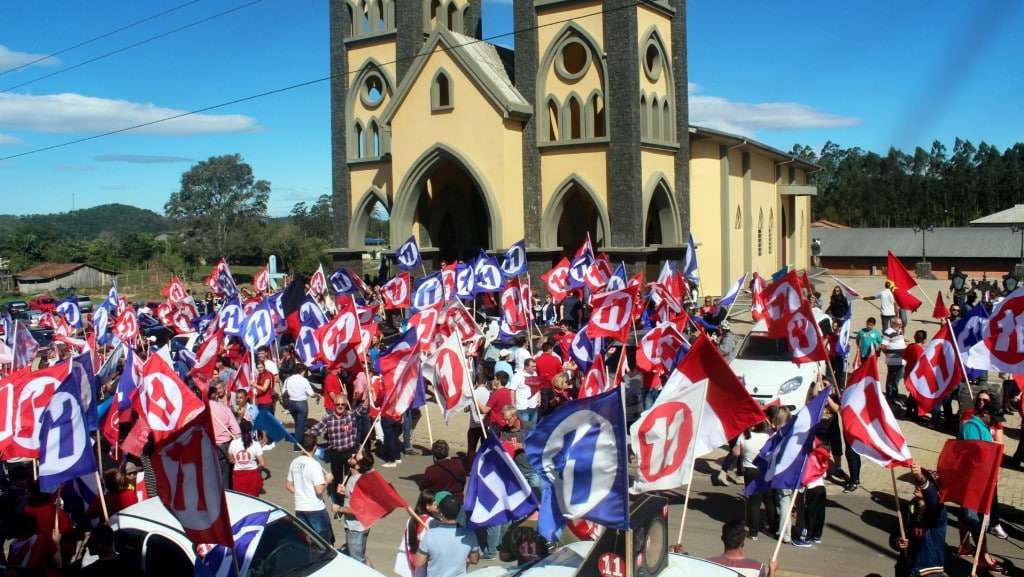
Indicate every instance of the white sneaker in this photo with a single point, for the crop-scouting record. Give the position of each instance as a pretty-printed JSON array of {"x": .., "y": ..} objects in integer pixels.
[
  {"x": 398, "y": 462},
  {"x": 389, "y": 465},
  {"x": 269, "y": 447},
  {"x": 998, "y": 531}
]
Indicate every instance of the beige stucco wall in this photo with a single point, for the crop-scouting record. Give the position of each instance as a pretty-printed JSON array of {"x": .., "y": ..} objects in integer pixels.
[
  {"x": 474, "y": 128},
  {"x": 551, "y": 21},
  {"x": 589, "y": 163},
  {"x": 364, "y": 177},
  {"x": 706, "y": 213},
  {"x": 383, "y": 51},
  {"x": 647, "y": 17}
]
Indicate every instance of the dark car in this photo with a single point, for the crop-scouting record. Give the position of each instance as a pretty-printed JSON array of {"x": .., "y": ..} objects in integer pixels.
[
  {"x": 84, "y": 303},
  {"x": 16, "y": 308},
  {"x": 43, "y": 336}
]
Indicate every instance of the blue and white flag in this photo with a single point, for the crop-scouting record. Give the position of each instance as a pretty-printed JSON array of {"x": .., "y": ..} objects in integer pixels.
[
  {"x": 618, "y": 280},
  {"x": 109, "y": 366},
  {"x": 231, "y": 316},
  {"x": 68, "y": 309},
  {"x": 247, "y": 533},
  {"x": 408, "y": 255},
  {"x": 266, "y": 422},
  {"x": 25, "y": 346},
  {"x": 970, "y": 330},
  {"x": 311, "y": 314},
  {"x": 487, "y": 274},
  {"x": 112, "y": 303},
  {"x": 77, "y": 495},
  {"x": 465, "y": 281},
  {"x": 497, "y": 492},
  {"x": 65, "y": 451},
  {"x": 780, "y": 464},
  {"x": 8, "y": 324},
  {"x": 584, "y": 350},
  {"x": 258, "y": 328},
  {"x": 429, "y": 292},
  {"x": 88, "y": 388},
  {"x": 734, "y": 291},
  {"x": 101, "y": 322},
  {"x": 578, "y": 268},
  {"x": 690, "y": 264},
  {"x": 843, "y": 338},
  {"x": 514, "y": 263},
  {"x": 131, "y": 379},
  {"x": 579, "y": 451},
  {"x": 341, "y": 281}
]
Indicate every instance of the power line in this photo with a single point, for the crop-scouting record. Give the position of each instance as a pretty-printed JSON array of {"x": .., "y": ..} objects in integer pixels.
[
  {"x": 304, "y": 84},
  {"x": 100, "y": 37},
  {"x": 133, "y": 45}
]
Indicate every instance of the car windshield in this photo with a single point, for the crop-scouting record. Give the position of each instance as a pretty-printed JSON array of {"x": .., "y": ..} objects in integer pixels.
[
  {"x": 764, "y": 348},
  {"x": 288, "y": 548}
]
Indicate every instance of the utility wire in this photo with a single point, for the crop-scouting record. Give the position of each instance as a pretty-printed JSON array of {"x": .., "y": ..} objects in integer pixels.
[
  {"x": 100, "y": 37},
  {"x": 306, "y": 83},
  {"x": 133, "y": 45}
]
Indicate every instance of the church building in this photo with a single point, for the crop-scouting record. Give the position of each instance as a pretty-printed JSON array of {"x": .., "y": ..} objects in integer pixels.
[{"x": 583, "y": 128}]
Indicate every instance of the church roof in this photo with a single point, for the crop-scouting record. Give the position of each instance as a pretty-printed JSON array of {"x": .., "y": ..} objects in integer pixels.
[{"x": 479, "y": 59}]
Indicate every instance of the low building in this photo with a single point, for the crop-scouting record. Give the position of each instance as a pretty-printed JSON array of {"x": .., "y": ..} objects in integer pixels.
[{"x": 52, "y": 276}]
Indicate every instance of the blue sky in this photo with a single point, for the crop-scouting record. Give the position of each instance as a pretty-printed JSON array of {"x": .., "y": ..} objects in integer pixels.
[{"x": 871, "y": 74}]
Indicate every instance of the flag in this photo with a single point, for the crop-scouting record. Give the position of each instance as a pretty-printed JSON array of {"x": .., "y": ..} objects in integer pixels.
[
  {"x": 424, "y": 323},
  {"x": 269, "y": 424},
  {"x": 556, "y": 280},
  {"x": 217, "y": 560},
  {"x": 584, "y": 350},
  {"x": 487, "y": 277},
  {"x": 429, "y": 292},
  {"x": 968, "y": 473},
  {"x": 579, "y": 452},
  {"x": 514, "y": 311},
  {"x": 597, "y": 274},
  {"x": 842, "y": 347},
  {"x": 341, "y": 281},
  {"x": 580, "y": 264},
  {"x": 24, "y": 395},
  {"x": 897, "y": 274},
  {"x": 1004, "y": 334},
  {"x": 465, "y": 281},
  {"x": 759, "y": 298},
  {"x": 25, "y": 346},
  {"x": 453, "y": 381},
  {"x": 318, "y": 282},
  {"x": 612, "y": 315},
  {"x": 401, "y": 368},
  {"x": 514, "y": 263},
  {"x": 126, "y": 328},
  {"x": 595, "y": 381},
  {"x": 258, "y": 327},
  {"x": 340, "y": 333},
  {"x": 84, "y": 380},
  {"x": 780, "y": 464},
  {"x": 189, "y": 483},
  {"x": 804, "y": 336},
  {"x": 664, "y": 436},
  {"x": 690, "y": 264},
  {"x": 397, "y": 292},
  {"x": 209, "y": 352},
  {"x": 937, "y": 373},
  {"x": 868, "y": 423},
  {"x": 734, "y": 291},
  {"x": 408, "y": 255},
  {"x": 969, "y": 331},
  {"x": 847, "y": 290},
  {"x": 220, "y": 280},
  {"x": 940, "y": 311},
  {"x": 65, "y": 449},
  {"x": 261, "y": 282},
  {"x": 68, "y": 309},
  {"x": 163, "y": 400},
  {"x": 78, "y": 494},
  {"x": 617, "y": 281},
  {"x": 496, "y": 492},
  {"x": 658, "y": 348},
  {"x": 783, "y": 298},
  {"x": 373, "y": 498}
]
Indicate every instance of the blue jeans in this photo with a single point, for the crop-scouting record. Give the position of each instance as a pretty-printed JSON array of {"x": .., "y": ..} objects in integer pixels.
[
  {"x": 299, "y": 410},
  {"x": 489, "y": 539},
  {"x": 528, "y": 417},
  {"x": 392, "y": 449},
  {"x": 356, "y": 544},
  {"x": 319, "y": 522},
  {"x": 407, "y": 430},
  {"x": 650, "y": 395}
]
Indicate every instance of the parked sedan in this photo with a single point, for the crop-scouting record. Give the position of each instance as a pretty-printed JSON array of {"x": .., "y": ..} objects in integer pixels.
[
  {"x": 84, "y": 303},
  {"x": 16, "y": 307}
]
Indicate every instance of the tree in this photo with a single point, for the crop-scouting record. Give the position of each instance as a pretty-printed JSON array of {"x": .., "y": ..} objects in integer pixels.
[{"x": 218, "y": 197}]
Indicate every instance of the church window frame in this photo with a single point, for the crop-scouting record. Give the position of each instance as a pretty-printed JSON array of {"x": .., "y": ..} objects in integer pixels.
[
  {"x": 367, "y": 86},
  {"x": 563, "y": 71},
  {"x": 452, "y": 18},
  {"x": 442, "y": 93},
  {"x": 595, "y": 112},
  {"x": 553, "y": 128},
  {"x": 645, "y": 114},
  {"x": 771, "y": 230},
  {"x": 738, "y": 222},
  {"x": 374, "y": 139},
  {"x": 359, "y": 140},
  {"x": 572, "y": 113},
  {"x": 652, "y": 51}
]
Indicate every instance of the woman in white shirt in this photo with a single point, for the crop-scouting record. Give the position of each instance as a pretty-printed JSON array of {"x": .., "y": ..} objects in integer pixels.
[
  {"x": 747, "y": 448},
  {"x": 299, "y": 391},
  {"x": 246, "y": 454}
]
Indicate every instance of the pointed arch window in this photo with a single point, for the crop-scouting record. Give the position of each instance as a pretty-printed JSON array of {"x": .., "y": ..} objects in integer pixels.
[
  {"x": 441, "y": 92},
  {"x": 645, "y": 115},
  {"x": 554, "y": 129},
  {"x": 453, "y": 17},
  {"x": 375, "y": 146},
  {"x": 572, "y": 60},
  {"x": 597, "y": 115},
  {"x": 760, "y": 233},
  {"x": 360, "y": 141},
  {"x": 655, "y": 120},
  {"x": 771, "y": 230},
  {"x": 574, "y": 116},
  {"x": 737, "y": 223}
]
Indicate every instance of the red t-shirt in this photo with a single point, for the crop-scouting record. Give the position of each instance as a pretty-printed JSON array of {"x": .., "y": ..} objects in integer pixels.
[
  {"x": 266, "y": 379},
  {"x": 332, "y": 385},
  {"x": 548, "y": 366},
  {"x": 496, "y": 403}
]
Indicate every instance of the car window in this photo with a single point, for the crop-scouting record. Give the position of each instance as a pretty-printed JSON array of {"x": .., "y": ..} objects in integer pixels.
[
  {"x": 763, "y": 348},
  {"x": 129, "y": 546},
  {"x": 288, "y": 548},
  {"x": 165, "y": 557}
]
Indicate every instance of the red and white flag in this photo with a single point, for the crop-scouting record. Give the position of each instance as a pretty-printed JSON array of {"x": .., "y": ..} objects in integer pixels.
[
  {"x": 759, "y": 298},
  {"x": 208, "y": 353},
  {"x": 666, "y": 436},
  {"x": 595, "y": 381},
  {"x": 514, "y": 311},
  {"x": 24, "y": 395},
  {"x": 804, "y": 336},
  {"x": 1004, "y": 335},
  {"x": 598, "y": 273},
  {"x": 459, "y": 320},
  {"x": 621, "y": 369},
  {"x": 186, "y": 468},
  {"x": 339, "y": 333},
  {"x": 127, "y": 326},
  {"x": 613, "y": 315},
  {"x": 318, "y": 282},
  {"x": 658, "y": 348},
  {"x": 453, "y": 380},
  {"x": 401, "y": 370},
  {"x": 261, "y": 282},
  {"x": 175, "y": 291},
  {"x": 556, "y": 280},
  {"x": 937, "y": 372},
  {"x": 782, "y": 299},
  {"x": 163, "y": 400},
  {"x": 847, "y": 290},
  {"x": 424, "y": 322},
  {"x": 397, "y": 292},
  {"x": 448, "y": 280},
  {"x": 868, "y": 423}
]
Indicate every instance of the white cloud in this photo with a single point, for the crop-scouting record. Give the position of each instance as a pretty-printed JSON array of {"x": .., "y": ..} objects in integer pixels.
[
  {"x": 76, "y": 113},
  {"x": 747, "y": 118},
  {"x": 8, "y": 139},
  {"x": 13, "y": 59}
]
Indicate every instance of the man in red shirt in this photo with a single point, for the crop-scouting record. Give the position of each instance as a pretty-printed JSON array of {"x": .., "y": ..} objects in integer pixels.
[
  {"x": 548, "y": 365},
  {"x": 912, "y": 354},
  {"x": 446, "y": 474},
  {"x": 333, "y": 389},
  {"x": 500, "y": 397}
]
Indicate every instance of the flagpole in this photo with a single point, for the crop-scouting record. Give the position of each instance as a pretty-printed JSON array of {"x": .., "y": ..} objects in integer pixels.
[
  {"x": 896, "y": 494},
  {"x": 728, "y": 311},
  {"x": 959, "y": 356},
  {"x": 785, "y": 526},
  {"x": 426, "y": 414},
  {"x": 103, "y": 499},
  {"x": 981, "y": 539},
  {"x": 693, "y": 460}
]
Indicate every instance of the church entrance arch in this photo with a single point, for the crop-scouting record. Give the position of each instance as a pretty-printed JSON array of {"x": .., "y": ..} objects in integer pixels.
[
  {"x": 661, "y": 219},
  {"x": 573, "y": 212}
]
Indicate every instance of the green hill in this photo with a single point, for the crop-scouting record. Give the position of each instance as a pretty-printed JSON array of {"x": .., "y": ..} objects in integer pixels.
[{"x": 89, "y": 223}]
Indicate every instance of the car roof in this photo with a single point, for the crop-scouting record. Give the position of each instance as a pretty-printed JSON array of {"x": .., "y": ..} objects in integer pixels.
[
  {"x": 761, "y": 326},
  {"x": 239, "y": 505}
]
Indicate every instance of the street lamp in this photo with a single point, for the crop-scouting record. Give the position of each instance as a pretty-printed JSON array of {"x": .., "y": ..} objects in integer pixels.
[
  {"x": 1019, "y": 228},
  {"x": 924, "y": 268}
]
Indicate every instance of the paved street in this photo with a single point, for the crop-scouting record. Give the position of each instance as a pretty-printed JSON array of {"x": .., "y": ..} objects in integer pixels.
[{"x": 858, "y": 526}]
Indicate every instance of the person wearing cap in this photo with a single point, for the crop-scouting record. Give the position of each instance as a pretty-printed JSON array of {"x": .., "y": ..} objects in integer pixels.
[
  {"x": 447, "y": 549},
  {"x": 504, "y": 363},
  {"x": 727, "y": 341}
]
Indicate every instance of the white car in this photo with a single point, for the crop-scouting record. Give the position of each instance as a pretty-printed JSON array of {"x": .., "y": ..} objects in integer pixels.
[
  {"x": 565, "y": 561},
  {"x": 765, "y": 364},
  {"x": 150, "y": 537}
]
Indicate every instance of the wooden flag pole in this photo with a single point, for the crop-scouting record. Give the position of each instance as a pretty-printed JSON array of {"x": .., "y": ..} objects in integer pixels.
[
  {"x": 426, "y": 417},
  {"x": 899, "y": 512},
  {"x": 977, "y": 550},
  {"x": 629, "y": 553},
  {"x": 693, "y": 461},
  {"x": 785, "y": 526},
  {"x": 103, "y": 498},
  {"x": 415, "y": 516}
]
